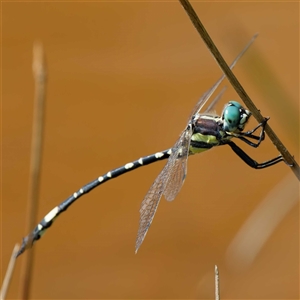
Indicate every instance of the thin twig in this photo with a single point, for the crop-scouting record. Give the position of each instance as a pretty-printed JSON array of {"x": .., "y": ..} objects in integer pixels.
[
  {"x": 238, "y": 87},
  {"x": 9, "y": 272},
  {"x": 217, "y": 286},
  {"x": 39, "y": 73}
]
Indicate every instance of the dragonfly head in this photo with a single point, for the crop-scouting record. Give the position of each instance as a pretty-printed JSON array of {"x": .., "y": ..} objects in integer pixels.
[{"x": 234, "y": 117}]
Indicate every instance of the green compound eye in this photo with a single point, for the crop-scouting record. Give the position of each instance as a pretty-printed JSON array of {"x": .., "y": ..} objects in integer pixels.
[
  {"x": 232, "y": 116},
  {"x": 236, "y": 104}
]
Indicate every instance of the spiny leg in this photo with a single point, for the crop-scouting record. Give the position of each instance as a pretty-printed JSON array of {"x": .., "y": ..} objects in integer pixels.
[
  {"x": 47, "y": 221},
  {"x": 251, "y": 162},
  {"x": 249, "y": 134},
  {"x": 254, "y": 145},
  {"x": 262, "y": 124}
]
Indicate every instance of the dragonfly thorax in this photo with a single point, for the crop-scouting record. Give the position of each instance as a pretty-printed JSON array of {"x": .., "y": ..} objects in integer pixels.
[
  {"x": 234, "y": 117},
  {"x": 207, "y": 133}
]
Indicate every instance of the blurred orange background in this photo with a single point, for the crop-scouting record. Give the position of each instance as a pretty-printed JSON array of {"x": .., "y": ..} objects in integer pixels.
[{"x": 123, "y": 78}]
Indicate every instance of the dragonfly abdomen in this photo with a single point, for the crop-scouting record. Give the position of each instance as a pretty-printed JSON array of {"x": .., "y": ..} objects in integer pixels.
[{"x": 48, "y": 220}]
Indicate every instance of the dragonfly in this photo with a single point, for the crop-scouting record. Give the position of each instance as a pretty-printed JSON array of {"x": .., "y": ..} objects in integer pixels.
[{"x": 202, "y": 132}]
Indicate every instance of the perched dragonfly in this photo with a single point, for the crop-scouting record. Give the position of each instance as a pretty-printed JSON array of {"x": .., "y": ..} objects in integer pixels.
[{"x": 203, "y": 132}]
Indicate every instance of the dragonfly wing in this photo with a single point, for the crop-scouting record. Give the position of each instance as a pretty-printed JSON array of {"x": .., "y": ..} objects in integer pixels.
[
  {"x": 176, "y": 179},
  {"x": 152, "y": 198},
  {"x": 208, "y": 93},
  {"x": 205, "y": 97},
  {"x": 211, "y": 107},
  {"x": 179, "y": 169},
  {"x": 150, "y": 203}
]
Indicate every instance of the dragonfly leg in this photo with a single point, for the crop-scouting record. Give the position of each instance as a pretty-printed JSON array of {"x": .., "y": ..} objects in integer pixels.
[
  {"x": 251, "y": 162},
  {"x": 254, "y": 145},
  {"x": 262, "y": 124},
  {"x": 249, "y": 134}
]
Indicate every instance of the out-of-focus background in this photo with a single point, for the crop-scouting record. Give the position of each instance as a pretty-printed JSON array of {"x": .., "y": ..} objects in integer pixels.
[{"x": 123, "y": 78}]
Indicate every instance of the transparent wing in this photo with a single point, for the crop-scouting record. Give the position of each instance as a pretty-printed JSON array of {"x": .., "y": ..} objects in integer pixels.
[
  {"x": 208, "y": 93},
  {"x": 179, "y": 169},
  {"x": 168, "y": 182},
  {"x": 205, "y": 97},
  {"x": 213, "y": 103}
]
